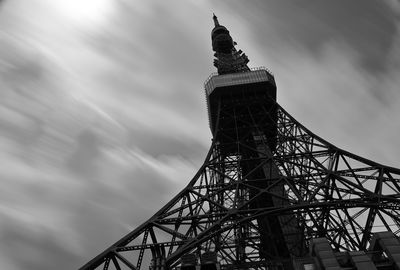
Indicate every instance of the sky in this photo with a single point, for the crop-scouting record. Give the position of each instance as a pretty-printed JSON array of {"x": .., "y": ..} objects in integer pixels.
[{"x": 103, "y": 115}]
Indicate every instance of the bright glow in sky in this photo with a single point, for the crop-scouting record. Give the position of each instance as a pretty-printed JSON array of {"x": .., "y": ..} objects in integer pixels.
[{"x": 84, "y": 12}]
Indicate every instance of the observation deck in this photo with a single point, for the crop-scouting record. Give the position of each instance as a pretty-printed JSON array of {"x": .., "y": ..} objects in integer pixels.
[
  {"x": 239, "y": 90},
  {"x": 259, "y": 74}
]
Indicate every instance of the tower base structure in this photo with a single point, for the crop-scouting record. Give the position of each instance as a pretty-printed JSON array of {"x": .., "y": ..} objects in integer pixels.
[
  {"x": 270, "y": 195},
  {"x": 383, "y": 254}
]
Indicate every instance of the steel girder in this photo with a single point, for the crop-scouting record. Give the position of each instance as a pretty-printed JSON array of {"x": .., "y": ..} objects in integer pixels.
[{"x": 315, "y": 188}]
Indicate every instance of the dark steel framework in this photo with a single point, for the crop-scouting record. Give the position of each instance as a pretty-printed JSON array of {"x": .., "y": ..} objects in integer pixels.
[
  {"x": 330, "y": 192},
  {"x": 267, "y": 187}
]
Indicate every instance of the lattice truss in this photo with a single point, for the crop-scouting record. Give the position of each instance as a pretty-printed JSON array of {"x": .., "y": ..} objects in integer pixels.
[{"x": 323, "y": 190}]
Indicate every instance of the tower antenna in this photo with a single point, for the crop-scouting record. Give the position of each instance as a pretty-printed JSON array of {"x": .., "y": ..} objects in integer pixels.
[{"x": 216, "y": 23}]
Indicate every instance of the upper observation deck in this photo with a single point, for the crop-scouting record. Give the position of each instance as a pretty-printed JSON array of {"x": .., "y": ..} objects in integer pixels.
[
  {"x": 255, "y": 75},
  {"x": 238, "y": 90}
]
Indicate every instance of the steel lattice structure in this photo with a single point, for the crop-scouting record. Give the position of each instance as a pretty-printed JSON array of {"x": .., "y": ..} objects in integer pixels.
[{"x": 267, "y": 187}]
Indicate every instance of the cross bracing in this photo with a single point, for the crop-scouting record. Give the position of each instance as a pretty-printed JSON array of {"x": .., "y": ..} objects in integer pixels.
[{"x": 311, "y": 188}]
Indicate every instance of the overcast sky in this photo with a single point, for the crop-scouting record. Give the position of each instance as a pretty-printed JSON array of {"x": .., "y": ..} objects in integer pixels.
[{"x": 102, "y": 110}]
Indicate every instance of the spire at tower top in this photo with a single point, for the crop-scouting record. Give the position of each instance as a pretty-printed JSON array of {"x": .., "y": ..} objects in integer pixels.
[
  {"x": 216, "y": 23},
  {"x": 228, "y": 59}
]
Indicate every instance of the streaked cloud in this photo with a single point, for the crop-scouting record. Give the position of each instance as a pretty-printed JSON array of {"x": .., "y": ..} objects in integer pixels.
[{"x": 102, "y": 122}]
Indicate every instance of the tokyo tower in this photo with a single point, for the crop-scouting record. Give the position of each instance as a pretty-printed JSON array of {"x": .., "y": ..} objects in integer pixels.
[{"x": 270, "y": 194}]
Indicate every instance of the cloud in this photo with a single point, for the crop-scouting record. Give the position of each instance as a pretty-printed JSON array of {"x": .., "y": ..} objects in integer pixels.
[
  {"x": 39, "y": 249},
  {"x": 77, "y": 171},
  {"x": 97, "y": 189},
  {"x": 101, "y": 126}
]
